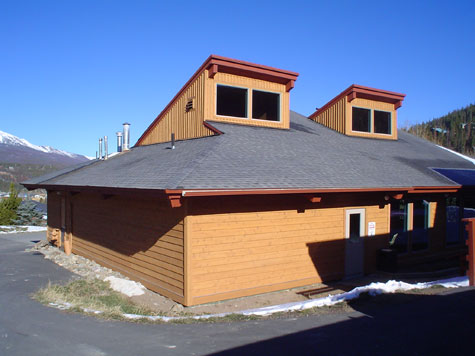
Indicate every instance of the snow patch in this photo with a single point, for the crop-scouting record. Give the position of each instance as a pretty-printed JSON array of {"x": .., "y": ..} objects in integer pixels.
[
  {"x": 13, "y": 229},
  {"x": 459, "y": 154},
  {"x": 129, "y": 288}
]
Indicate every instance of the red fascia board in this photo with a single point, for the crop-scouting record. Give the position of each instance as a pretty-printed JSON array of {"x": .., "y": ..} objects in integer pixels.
[
  {"x": 224, "y": 63},
  {"x": 202, "y": 193},
  {"x": 212, "y": 128},
  {"x": 363, "y": 92}
]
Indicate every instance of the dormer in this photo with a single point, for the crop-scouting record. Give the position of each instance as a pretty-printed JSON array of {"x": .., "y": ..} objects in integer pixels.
[
  {"x": 362, "y": 111},
  {"x": 225, "y": 90}
]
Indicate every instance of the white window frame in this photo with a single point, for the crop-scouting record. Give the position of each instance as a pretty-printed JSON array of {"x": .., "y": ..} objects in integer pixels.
[
  {"x": 231, "y": 117},
  {"x": 371, "y": 121},
  {"x": 362, "y": 213},
  {"x": 248, "y": 104}
]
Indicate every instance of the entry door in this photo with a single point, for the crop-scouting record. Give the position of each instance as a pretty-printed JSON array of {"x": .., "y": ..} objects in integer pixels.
[{"x": 354, "y": 247}]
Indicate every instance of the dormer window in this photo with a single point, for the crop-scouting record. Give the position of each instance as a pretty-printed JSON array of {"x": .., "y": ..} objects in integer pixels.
[
  {"x": 235, "y": 102},
  {"x": 371, "y": 121},
  {"x": 231, "y": 101}
]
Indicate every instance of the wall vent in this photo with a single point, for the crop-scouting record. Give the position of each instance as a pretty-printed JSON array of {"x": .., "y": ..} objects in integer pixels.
[{"x": 190, "y": 104}]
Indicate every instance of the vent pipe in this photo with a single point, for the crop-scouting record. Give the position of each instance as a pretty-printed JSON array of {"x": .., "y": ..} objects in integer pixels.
[
  {"x": 100, "y": 148},
  {"x": 119, "y": 141},
  {"x": 126, "y": 138},
  {"x": 173, "y": 140},
  {"x": 106, "y": 148}
]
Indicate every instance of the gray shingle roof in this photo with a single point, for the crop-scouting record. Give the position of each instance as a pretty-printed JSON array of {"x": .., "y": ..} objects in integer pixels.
[{"x": 308, "y": 155}]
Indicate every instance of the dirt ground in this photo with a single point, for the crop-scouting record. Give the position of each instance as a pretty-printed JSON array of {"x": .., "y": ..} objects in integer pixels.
[{"x": 164, "y": 305}]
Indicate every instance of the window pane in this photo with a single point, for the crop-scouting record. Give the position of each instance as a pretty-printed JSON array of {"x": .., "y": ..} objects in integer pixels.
[
  {"x": 399, "y": 226},
  {"x": 420, "y": 234},
  {"x": 231, "y": 101},
  {"x": 361, "y": 119},
  {"x": 382, "y": 122},
  {"x": 355, "y": 220},
  {"x": 265, "y": 106}
]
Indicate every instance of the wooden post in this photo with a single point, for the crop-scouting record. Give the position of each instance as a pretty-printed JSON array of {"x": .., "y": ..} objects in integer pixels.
[{"x": 470, "y": 227}]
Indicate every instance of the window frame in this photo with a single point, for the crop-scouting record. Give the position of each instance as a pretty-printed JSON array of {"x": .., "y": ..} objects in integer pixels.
[
  {"x": 371, "y": 121},
  {"x": 266, "y": 91},
  {"x": 362, "y": 212},
  {"x": 227, "y": 116},
  {"x": 249, "y": 103}
]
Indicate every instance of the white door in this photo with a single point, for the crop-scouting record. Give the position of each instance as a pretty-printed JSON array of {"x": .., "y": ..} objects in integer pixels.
[{"x": 354, "y": 246}]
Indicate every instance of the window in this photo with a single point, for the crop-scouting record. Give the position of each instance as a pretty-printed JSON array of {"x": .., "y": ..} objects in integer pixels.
[
  {"x": 382, "y": 122},
  {"x": 361, "y": 119},
  {"x": 398, "y": 237},
  {"x": 420, "y": 233},
  {"x": 355, "y": 224},
  {"x": 235, "y": 102},
  {"x": 371, "y": 121},
  {"x": 231, "y": 101},
  {"x": 265, "y": 105}
]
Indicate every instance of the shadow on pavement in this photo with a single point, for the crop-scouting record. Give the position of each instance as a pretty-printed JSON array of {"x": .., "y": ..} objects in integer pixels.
[{"x": 397, "y": 324}]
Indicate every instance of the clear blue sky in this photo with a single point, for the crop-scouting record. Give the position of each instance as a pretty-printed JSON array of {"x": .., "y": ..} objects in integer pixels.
[{"x": 73, "y": 71}]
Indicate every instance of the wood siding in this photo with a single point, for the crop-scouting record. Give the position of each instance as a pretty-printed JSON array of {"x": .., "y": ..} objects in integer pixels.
[
  {"x": 241, "y": 253},
  {"x": 143, "y": 239},
  {"x": 177, "y": 120},
  {"x": 250, "y": 83},
  {"x": 334, "y": 116},
  {"x": 373, "y": 105}
]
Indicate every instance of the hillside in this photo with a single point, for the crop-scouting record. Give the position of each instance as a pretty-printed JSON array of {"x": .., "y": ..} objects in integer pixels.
[
  {"x": 21, "y": 160},
  {"x": 456, "y": 130}
]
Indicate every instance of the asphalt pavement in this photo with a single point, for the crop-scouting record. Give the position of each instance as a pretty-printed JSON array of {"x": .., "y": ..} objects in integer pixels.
[{"x": 424, "y": 325}]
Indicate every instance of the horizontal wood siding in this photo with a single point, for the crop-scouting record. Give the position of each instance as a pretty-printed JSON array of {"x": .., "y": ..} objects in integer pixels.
[
  {"x": 241, "y": 253},
  {"x": 370, "y": 104},
  {"x": 250, "y": 83},
  {"x": 184, "y": 124},
  {"x": 143, "y": 239},
  {"x": 334, "y": 116}
]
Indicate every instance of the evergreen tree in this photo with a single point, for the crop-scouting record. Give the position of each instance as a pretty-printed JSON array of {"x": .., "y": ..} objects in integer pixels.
[
  {"x": 27, "y": 214},
  {"x": 9, "y": 206}
]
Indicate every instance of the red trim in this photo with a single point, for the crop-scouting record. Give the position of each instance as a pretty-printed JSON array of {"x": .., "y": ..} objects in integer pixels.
[
  {"x": 232, "y": 66},
  {"x": 212, "y": 128},
  {"x": 314, "y": 199},
  {"x": 397, "y": 196},
  {"x": 175, "y": 201},
  {"x": 359, "y": 91},
  {"x": 290, "y": 85}
]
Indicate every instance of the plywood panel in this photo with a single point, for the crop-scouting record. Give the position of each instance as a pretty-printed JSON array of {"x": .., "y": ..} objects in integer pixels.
[
  {"x": 142, "y": 238},
  {"x": 239, "y": 253},
  {"x": 177, "y": 120},
  {"x": 250, "y": 83},
  {"x": 334, "y": 116}
]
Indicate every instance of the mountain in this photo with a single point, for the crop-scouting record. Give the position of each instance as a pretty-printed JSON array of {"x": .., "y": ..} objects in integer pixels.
[
  {"x": 21, "y": 160},
  {"x": 455, "y": 131}
]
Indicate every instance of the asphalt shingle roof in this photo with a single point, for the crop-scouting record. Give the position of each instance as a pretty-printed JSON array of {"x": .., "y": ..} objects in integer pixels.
[{"x": 308, "y": 155}]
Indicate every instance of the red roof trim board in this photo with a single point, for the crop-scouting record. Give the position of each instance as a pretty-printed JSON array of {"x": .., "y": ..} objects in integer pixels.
[
  {"x": 359, "y": 91},
  {"x": 216, "y": 64}
]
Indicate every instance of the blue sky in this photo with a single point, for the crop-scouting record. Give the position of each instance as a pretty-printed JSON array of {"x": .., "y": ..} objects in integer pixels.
[{"x": 73, "y": 71}]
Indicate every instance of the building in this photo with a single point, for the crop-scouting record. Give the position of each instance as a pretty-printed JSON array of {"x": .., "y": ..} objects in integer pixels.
[{"x": 251, "y": 197}]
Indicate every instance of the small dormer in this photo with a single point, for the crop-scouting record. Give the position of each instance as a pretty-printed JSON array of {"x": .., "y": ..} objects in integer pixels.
[
  {"x": 362, "y": 111},
  {"x": 225, "y": 90}
]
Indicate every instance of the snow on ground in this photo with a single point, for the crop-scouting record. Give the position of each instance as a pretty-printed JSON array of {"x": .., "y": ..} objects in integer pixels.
[
  {"x": 459, "y": 154},
  {"x": 373, "y": 289},
  {"x": 129, "y": 288},
  {"x": 13, "y": 229}
]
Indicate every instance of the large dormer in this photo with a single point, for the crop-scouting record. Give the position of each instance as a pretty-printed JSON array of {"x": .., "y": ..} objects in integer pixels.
[
  {"x": 362, "y": 111},
  {"x": 225, "y": 90}
]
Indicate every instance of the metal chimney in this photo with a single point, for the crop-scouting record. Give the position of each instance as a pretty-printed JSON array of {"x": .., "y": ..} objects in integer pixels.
[
  {"x": 106, "y": 148},
  {"x": 119, "y": 141},
  {"x": 126, "y": 138},
  {"x": 173, "y": 140},
  {"x": 100, "y": 148}
]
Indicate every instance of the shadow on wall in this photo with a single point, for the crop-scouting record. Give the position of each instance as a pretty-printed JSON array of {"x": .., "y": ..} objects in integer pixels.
[{"x": 396, "y": 324}]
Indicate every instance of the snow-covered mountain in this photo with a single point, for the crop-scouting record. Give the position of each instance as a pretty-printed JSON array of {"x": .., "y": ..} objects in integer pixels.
[{"x": 18, "y": 150}]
